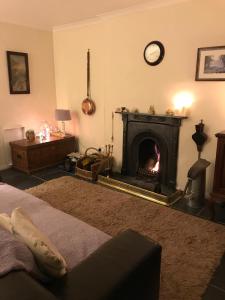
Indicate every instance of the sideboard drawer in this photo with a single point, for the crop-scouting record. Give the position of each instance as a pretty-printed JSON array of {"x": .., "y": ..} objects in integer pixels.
[{"x": 19, "y": 158}]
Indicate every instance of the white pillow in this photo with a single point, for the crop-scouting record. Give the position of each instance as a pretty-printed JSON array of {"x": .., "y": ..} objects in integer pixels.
[
  {"x": 5, "y": 222},
  {"x": 46, "y": 254}
]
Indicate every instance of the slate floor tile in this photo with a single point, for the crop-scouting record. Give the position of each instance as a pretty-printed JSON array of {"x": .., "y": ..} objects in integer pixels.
[
  {"x": 19, "y": 179},
  {"x": 182, "y": 205},
  {"x": 51, "y": 173},
  {"x": 214, "y": 293},
  {"x": 218, "y": 278},
  {"x": 219, "y": 213}
]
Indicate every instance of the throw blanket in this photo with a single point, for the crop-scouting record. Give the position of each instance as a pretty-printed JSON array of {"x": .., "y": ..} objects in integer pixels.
[
  {"x": 74, "y": 239},
  {"x": 14, "y": 256}
]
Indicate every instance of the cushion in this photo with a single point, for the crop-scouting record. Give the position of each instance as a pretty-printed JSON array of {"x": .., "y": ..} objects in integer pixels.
[
  {"x": 5, "y": 222},
  {"x": 48, "y": 257}
]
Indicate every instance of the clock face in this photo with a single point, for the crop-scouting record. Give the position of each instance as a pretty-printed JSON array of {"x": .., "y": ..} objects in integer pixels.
[{"x": 154, "y": 53}]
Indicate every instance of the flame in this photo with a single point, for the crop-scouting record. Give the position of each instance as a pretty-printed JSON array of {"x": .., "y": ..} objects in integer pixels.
[
  {"x": 183, "y": 101},
  {"x": 156, "y": 167}
]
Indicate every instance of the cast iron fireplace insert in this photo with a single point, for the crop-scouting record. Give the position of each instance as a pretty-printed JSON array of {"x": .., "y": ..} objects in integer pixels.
[{"x": 150, "y": 151}]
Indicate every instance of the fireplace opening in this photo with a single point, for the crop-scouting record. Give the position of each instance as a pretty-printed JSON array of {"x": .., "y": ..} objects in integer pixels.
[{"x": 148, "y": 160}]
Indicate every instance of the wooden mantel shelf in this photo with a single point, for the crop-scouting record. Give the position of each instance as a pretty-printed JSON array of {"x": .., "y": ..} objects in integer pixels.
[
  {"x": 150, "y": 115},
  {"x": 145, "y": 117}
]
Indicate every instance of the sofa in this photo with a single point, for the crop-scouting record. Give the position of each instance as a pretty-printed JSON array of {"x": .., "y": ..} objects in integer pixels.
[{"x": 126, "y": 266}]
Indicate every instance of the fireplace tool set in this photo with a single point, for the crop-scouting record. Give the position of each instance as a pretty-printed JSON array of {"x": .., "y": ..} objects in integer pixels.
[{"x": 194, "y": 191}]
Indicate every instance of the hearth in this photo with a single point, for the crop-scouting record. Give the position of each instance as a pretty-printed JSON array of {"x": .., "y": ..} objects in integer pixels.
[{"x": 150, "y": 151}]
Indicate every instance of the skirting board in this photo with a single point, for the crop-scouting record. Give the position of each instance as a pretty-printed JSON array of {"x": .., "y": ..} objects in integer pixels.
[{"x": 4, "y": 167}]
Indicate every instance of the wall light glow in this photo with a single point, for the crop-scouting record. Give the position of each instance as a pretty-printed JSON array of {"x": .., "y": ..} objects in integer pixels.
[{"x": 182, "y": 102}]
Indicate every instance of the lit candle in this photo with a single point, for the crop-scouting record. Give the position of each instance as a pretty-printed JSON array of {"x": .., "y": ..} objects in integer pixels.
[{"x": 182, "y": 103}]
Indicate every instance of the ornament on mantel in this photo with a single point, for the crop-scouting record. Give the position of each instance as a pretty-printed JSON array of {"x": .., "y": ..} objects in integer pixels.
[
  {"x": 135, "y": 110},
  {"x": 122, "y": 109},
  {"x": 169, "y": 112},
  {"x": 151, "y": 110}
]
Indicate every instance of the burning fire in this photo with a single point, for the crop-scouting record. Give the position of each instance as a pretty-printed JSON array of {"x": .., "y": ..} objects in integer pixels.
[{"x": 154, "y": 167}]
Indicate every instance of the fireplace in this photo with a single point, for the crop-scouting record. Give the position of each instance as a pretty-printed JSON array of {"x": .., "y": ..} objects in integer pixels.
[{"x": 150, "y": 151}]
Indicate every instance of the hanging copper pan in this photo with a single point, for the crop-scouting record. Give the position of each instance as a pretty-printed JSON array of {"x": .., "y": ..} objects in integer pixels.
[{"x": 88, "y": 105}]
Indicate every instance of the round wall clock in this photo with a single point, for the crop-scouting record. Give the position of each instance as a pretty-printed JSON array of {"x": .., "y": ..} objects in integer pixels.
[{"x": 154, "y": 53}]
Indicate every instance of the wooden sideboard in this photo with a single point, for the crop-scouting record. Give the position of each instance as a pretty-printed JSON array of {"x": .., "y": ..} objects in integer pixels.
[
  {"x": 218, "y": 193},
  {"x": 32, "y": 156}
]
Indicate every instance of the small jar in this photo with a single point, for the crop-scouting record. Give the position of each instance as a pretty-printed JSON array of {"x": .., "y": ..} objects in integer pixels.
[{"x": 30, "y": 135}]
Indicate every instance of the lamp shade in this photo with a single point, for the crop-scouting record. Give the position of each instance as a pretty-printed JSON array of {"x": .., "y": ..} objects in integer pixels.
[{"x": 62, "y": 115}]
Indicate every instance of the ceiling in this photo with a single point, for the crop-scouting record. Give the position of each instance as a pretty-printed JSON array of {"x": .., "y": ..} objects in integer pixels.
[{"x": 52, "y": 13}]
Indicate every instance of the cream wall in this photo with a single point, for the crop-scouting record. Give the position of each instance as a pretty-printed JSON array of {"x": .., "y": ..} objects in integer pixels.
[
  {"x": 120, "y": 77},
  {"x": 28, "y": 110}
]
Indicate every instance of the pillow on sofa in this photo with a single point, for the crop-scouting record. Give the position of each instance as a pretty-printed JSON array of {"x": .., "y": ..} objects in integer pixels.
[
  {"x": 5, "y": 222},
  {"x": 47, "y": 256},
  {"x": 15, "y": 255}
]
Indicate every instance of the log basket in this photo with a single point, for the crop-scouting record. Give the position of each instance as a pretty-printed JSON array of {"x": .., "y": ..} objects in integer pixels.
[{"x": 92, "y": 164}]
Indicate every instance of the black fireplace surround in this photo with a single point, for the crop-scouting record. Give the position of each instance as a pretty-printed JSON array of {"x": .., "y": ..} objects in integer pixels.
[{"x": 145, "y": 129}]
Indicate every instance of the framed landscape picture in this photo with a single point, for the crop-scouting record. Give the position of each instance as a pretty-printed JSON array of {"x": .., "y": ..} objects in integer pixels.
[
  {"x": 210, "y": 64},
  {"x": 18, "y": 72}
]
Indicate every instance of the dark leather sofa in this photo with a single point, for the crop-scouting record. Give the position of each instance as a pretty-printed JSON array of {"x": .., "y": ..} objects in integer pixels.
[{"x": 125, "y": 267}]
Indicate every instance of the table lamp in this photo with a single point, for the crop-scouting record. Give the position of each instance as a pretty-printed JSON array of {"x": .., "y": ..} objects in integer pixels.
[{"x": 62, "y": 115}]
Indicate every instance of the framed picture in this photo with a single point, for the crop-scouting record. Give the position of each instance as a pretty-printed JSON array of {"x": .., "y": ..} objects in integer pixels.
[
  {"x": 18, "y": 72},
  {"x": 210, "y": 64}
]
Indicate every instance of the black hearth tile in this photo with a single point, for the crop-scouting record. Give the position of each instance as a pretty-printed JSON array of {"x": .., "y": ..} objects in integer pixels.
[
  {"x": 62, "y": 167},
  {"x": 219, "y": 213},
  {"x": 51, "y": 173},
  {"x": 182, "y": 205},
  {"x": 218, "y": 278},
  {"x": 29, "y": 183},
  {"x": 213, "y": 293},
  {"x": 19, "y": 179}
]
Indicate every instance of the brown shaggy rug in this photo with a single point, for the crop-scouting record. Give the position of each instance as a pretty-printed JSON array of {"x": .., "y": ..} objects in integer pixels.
[{"x": 192, "y": 247}]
